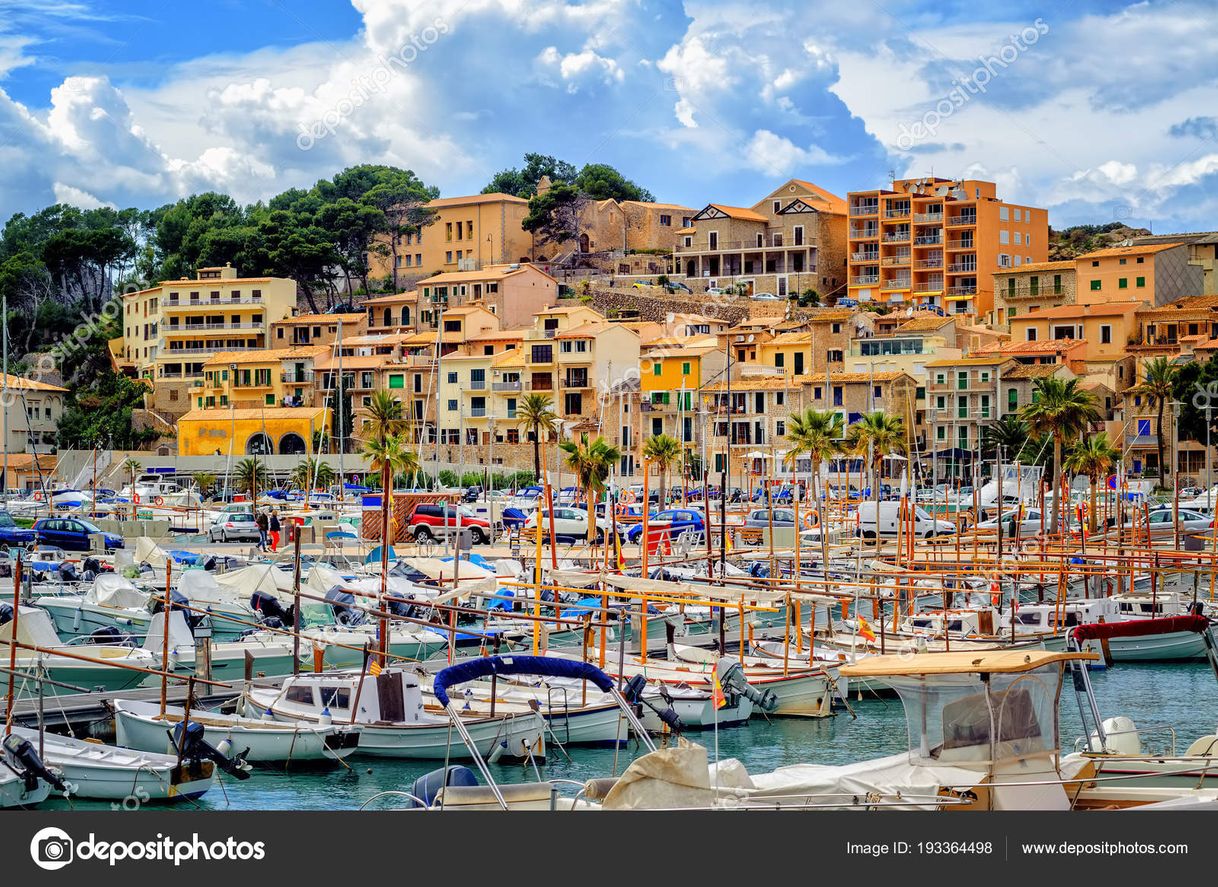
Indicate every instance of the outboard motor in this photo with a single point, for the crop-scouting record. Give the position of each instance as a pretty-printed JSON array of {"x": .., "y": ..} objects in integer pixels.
[
  {"x": 759, "y": 570},
  {"x": 632, "y": 692},
  {"x": 6, "y": 568},
  {"x": 6, "y": 613},
  {"x": 194, "y": 749},
  {"x": 731, "y": 677},
  {"x": 110, "y": 634},
  {"x": 32, "y": 769},
  {"x": 210, "y": 564},
  {"x": 92, "y": 565},
  {"x": 1197, "y": 608},
  {"x": 342, "y": 604},
  {"x": 404, "y": 609},
  {"x": 67, "y": 572},
  {"x": 271, "y": 612},
  {"x": 180, "y": 602},
  {"x": 428, "y": 786}
]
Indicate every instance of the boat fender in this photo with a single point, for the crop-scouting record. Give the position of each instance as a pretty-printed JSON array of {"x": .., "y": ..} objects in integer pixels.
[
  {"x": 32, "y": 768},
  {"x": 428, "y": 786}
]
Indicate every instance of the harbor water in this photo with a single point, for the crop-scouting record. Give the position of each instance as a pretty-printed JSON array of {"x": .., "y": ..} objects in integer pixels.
[{"x": 1157, "y": 697}]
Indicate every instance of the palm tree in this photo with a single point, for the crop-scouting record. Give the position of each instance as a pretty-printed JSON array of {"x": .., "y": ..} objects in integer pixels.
[
  {"x": 816, "y": 434},
  {"x": 205, "y": 481},
  {"x": 383, "y": 417},
  {"x": 1009, "y": 434},
  {"x": 1093, "y": 456},
  {"x": 1157, "y": 386},
  {"x": 591, "y": 463},
  {"x": 881, "y": 434},
  {"x": 665, "y": 451},
  {"x": 310, "y": 473},
  {"x": 536, "y": 413},
  {"x": 249, "y": 475},
  {"x": 132, "y": 467},
  {"x": 1062, "y": 409},
  {"x": 389, "y": 456}
]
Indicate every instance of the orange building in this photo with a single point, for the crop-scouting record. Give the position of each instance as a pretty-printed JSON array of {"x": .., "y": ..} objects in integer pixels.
[
  {"x": 1155, "y": 273},
  {"x": 937, "y": 242}
]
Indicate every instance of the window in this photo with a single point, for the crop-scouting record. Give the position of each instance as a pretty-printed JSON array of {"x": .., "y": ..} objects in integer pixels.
[
  {"x": 1012, "y": 399},
  {"x": 452, "y": 408},
  {"x": 1139, "y": 281},
  {"x": 1057, "y": 284},
  {"x": 1095, "y": 285},
  {"x": 1105, "y": 334},
  {"x": 657, "y": 369},
  {"x": 1004, "y": 236},
  {"x": 543, "y": 354},
  {"x": 1122, "y": 283},
  {"x": 1031, "y": 334},
  {"x": 666, "y": 221},
  {"x": 1004, "y": 213},
  {"x": 1140, "y": 260},
  {"x": 685, "y": 368}
]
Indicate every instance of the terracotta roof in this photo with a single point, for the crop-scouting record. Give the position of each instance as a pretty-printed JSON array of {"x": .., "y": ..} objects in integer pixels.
[
  {"x": 794, "y": 338},
  {"x": 1042, "y": 346},
  {"x": 966, "y": 361},
  {"x": 394, "y": 299},
  {"x": 24, "y": 384},
  {"x": 493, "y": 197},
  {"x": 759, "y": 383},
  {"x": 591, "y": 330},
  {"x": 354, "y": 361},
  {"x": 513, "y": 357},
  {"x": 266, "y": 356},
  {"x": 375, "y": 339},
  {"x": 498, "y": 336},
  {"x": 925, "y": 322},
  {"x": 1031, "y": 371},
  {"x": 836, "y": 204},
  {"x": 1115, "y": 251},
  {"x": 354, "y": 317},
  {"x": 856, "y": 378},
  {"x": 1186, "y": 303},
  {"x": 1063, "y": 265},
  {"x": 738, "y": 212},
  {"x": 197, "y": 415},
  {"x": 827, "y": 314}
]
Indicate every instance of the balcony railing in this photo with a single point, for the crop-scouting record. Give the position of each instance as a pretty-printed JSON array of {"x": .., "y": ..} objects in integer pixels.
[
  {"x": 865, "y": 257},
  {"x": 957, "y": 221},
  {"x": 865, "y": 233},
  {"x": 892, "y": 261},
  {"x": 865, "y": 279},
  {"x": 477, "y": 385},
  {"x": 245, "y": 346},
  {"x": 929, "y": 264},
  {"x": 897, "y": 213},
  {"x": 928, "y": 240},
  {"x": 477, "y": 412},
  {"x": 897, "y": 237},
  {"x": 928, "y": 219},
  {"x": 961, "y": 243},
  {"x": 962, "y": 268},
  {"x": 506, "y": 386},
  {"x": 297, "y": 377},
  {"x": 895, "y": 283},
  {"x": 864, "y": 209},
  {"x": 174, "y": 329},
  {"x": 962, "y": 290},
  {"x": 208, "y": 303}
]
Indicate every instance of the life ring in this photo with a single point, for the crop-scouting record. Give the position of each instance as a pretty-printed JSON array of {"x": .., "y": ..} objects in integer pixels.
[
  {"x": 37, "y": 495},
  {"x": 136, "y": 498},
  {"x": 626, "y": 497},
  {"x": 812, "y": 520},
  {"x": 157, "y": 500}
]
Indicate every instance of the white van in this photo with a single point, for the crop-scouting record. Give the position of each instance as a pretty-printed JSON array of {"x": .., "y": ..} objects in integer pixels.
[{"x": 924, "y": 525}]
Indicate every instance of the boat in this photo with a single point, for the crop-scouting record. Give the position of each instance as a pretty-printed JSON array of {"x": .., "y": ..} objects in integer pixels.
[
  {"x": 388, "y": 711},
  {"x": 142, "y": 725}
]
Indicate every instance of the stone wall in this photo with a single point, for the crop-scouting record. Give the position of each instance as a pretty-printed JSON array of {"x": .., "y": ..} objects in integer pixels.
[{"x": 653, "y": 306}]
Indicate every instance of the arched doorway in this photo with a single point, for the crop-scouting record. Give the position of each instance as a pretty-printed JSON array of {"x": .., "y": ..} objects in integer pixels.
[
  {"x": 584, "y": 243},
  {"x": 292, "y": 444},
  {"x": 258, "y": 445}
]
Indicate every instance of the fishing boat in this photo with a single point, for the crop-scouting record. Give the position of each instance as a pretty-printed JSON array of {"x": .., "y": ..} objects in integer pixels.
[
  {"x": 389, "y": 713},
  {"x": 143, "y": 725},
  {"x": 102, "y": 772},
  {"x": 25, "y": 781}
]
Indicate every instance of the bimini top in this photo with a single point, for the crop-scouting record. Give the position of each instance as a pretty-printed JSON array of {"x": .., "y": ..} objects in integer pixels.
[{"x": 997, "y": 662}]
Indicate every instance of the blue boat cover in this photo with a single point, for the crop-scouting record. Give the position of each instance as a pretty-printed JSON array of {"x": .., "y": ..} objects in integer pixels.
[{"x": 485, "y": 666}]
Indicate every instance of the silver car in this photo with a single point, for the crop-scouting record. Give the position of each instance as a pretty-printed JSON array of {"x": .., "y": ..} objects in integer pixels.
[
  {"x": 234, "y": 527},
  {"x": 1164, "y": 523}
]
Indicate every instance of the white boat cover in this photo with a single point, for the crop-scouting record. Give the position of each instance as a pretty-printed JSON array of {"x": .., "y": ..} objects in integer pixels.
[
  {"x": 113, "y": 590},
  {"x": 637, "y": 584},
  {"x": 147, "y": 551},
  {"x": 34, "y": 626},
  {"x": 663, "y": 780},
  {"x": 240, "y": 584},
  {"x": 201, "y": 587}
]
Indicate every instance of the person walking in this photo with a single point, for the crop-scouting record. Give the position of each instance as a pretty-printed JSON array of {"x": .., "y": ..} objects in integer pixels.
[
  {"x": 263, "y": 529},
  {"x": 275, "y": 528}
]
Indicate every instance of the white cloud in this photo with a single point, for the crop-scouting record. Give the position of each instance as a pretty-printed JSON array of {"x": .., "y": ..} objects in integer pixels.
[
  {"x": 580, "y": 69},
  {"x": 775, "y": 155}
]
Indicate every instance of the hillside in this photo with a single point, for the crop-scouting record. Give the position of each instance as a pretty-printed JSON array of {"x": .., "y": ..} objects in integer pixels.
[{"x": 1071, "y": 242}]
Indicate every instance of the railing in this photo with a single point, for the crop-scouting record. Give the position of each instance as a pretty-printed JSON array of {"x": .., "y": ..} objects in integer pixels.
[
  {"x": 297, "y": 377},
  {"x": 897, "y": 283},
  {"x": 576, "y": 382},
  {"x": 865, "y": 257},
  {"x": 962, "y": 290},
  {"x": 891, "y": 261},
  {"x": 865, "y": 279},
  {"x": 928, "y": 218},
  {"x": 864, "y": 233},
  {"x": 207, "y": 303},
  {"x": 176, "y": 329},
  {"x": 955, "y": 221},
  {"x": 897, "y": 237},
  {"x": 962, "y": 268},
  {"x": 245, "y": 346},
  {"x": 1027, "y": 292},
  {"x": 928, "y": 240},
  {"x": 902, "y": 213},
  {"x": 929, "y": 264},
  {"x": 506, "y": 386},
  {"x": 477, "y": 412},
  {"x": 864, "y": 209},
  {"x": 477, "y": 385},
  {"x": 963, "y": 243}
]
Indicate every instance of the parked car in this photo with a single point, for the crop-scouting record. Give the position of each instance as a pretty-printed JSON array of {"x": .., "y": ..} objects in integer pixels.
[
  {"x": 765, "y": 297},
  {"x": 674, "y": 287},
  {"x": 716, "y": 291},
  {"x": 1163, "y": 521},
  {"x": 72, "y": 534},
  {"x": 439, "y": 520},
  {"x": 759, "y": 519},
  {"x": 679, "y": 519},
  {"x": 885, "y": 521},
  {"x": 12, "y": 535},
  {"x": 234, "y": 526},
  {"x": 570, "y": 525}
]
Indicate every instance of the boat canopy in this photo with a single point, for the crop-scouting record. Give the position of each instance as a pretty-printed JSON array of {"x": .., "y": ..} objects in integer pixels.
[
  {"x": 547, "y": 666},
  {"x": 1140, "y": 627},
  {"x": 997, "y": 662}
]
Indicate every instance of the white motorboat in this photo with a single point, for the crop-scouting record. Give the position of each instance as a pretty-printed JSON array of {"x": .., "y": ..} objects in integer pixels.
[
  {"x": 103, "y": 772},
  {"x": 389, "y": 712},
  {"x": 141, "y": 725}
]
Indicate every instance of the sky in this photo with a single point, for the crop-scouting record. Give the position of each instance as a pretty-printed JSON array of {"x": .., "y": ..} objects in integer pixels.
[{"x": 1099, "y": 111}]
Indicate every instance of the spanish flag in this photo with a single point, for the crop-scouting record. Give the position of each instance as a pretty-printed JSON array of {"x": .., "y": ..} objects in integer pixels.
[
  {"x": 865, "y": 628},
  {"x": 374, "y": 669},
  {"x": 621, "y": 561},
  {"x": 717, "y": 696},
  {"x": 727, "y": 539}
]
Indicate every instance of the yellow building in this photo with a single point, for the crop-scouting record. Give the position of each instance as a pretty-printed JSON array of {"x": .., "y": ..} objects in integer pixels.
[
  {"x": 671, "y": 378},
  {"x": 253, "y": 380},
  {"x": 170, "y": 330},
  {"x": 234, "y": 432},
  {"x": 1107, "y": 329}
]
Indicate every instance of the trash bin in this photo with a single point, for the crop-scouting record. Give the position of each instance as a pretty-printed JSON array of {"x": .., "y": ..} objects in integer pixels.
[{"x": 464, "y": 540}]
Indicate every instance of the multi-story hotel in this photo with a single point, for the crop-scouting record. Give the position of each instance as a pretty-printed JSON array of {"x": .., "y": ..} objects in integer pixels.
[
  {"x": 937, "y": 243},
  {"x": 170, "y": 330}
]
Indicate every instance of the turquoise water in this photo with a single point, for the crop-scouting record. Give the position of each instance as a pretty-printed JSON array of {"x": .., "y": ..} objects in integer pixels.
[{"x": 1182, "y": 696}]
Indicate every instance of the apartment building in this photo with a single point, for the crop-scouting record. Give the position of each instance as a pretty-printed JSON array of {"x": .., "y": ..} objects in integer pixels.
[
  {"x": 170, "y": 330},
  {"x": 277, "y": 377},
  {"x": 851, "y": 395},
  {"x": 609, "y": 225},
  {"x": 513, "y": 293},
  {"x": 393, "y": 313},
  {"x": 790, "y": 241},
  {"x": 937, "y": 242},
  {"x": 316, "y": 329},
  {"x": 1106, "y": 329},
  {"x": 1031, "y": 288},
  {"x": 1202, "y": 252},
  {"x": 1155, "y": 273},
  {"x": 749, "y": 416},
  {"x": 672, "y": 379},
  {"x": 32, "y": 417}
]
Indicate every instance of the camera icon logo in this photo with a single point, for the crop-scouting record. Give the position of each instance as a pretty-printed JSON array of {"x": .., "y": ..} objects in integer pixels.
[{"x": 51, "y": 848}]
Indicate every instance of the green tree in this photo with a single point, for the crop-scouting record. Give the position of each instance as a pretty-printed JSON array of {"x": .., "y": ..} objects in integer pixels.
[
  {"x": 1010, "y": 433},
  {"x": 555, "y": 216},
  {"x": 816, "y": 434},
  {"x": 663, "y": 451},
  {"x": 879, "y": 434},
  {"x": 389, "y": 456},
  {"x": 522, "y": 182},
  {"x": 1157, "y": 386},
  {"x": 205, "y": 482},
  {"x": 311, "y": 473},
  {"x": 535, "y": 413},
  {"x": 101, "y": 414},
  {"x": 1094, "y": 456},
  {"x": 592, "y": 462},
  {"x": 250, "y": 475},
  {"x": 383, "y": 417},
  {"x": 600, "y": 181},
  {"x": 132, "y": 467},
  {"x": 1062, "y": 409}
]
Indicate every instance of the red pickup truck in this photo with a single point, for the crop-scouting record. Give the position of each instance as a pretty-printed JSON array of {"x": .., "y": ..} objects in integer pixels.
[{"x": 429, "y": 522}]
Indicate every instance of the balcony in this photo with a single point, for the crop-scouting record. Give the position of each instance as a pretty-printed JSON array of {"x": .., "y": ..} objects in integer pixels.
[
  {"x": 1141, "y": 440},
  {"x": 897, "y": 213},
  {"x": 865, "y": 280},
  {"x": 961, "y": 243},
  {"x": 576, "y": 382},
  {"x": 928, "y": 240},
  {"x": 194, "y": 328},
  {"x": 897, "y": 283},
  {"x": 928, "y": 219},
  {"x": 962, "y": 290},
  {"x": 297, "y": 377},
  {"x": 897, "y": 236},
  {"x": 476, "y": 385},
  {"x": 506, "y": 386},
  {"x": 865, "y": 258},
  {"x": 867, "y": 233},
  {"x": 864, "y": 210},
  {"x": 245, "y": 346},
  {"x": 212, "y": 303},
  {"x": 961, "y": 220},
  {"x": 929, "y": 264},
  {"x": 962, "y": 268},
  {"x": 895, "y": 261},
  {"x": 477, "y": 412}
]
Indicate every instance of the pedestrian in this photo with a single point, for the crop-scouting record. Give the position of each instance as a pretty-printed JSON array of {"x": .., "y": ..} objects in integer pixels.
[
  {"x": 274, "y": 524},
  {"x": 263, "y": 527}
]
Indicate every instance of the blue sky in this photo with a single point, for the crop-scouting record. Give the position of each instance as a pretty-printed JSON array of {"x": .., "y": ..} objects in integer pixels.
[{"x": 1100, "y": 111}]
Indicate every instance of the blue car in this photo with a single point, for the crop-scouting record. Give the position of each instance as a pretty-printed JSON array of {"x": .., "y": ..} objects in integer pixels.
[
  {"x": 11, "y": 535},
  {"x": 71, "y": 534},
  {"x": 680, "y": 519}
]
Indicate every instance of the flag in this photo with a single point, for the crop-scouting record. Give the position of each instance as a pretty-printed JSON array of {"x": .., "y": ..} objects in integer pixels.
[
  {"x": 865, "y": 628},
  {"x": 717, "y": 696},
  {"x": 727, "y": 540},
  {"x": 374, "y": 669},
  {"x": 621, "y": 561}
]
